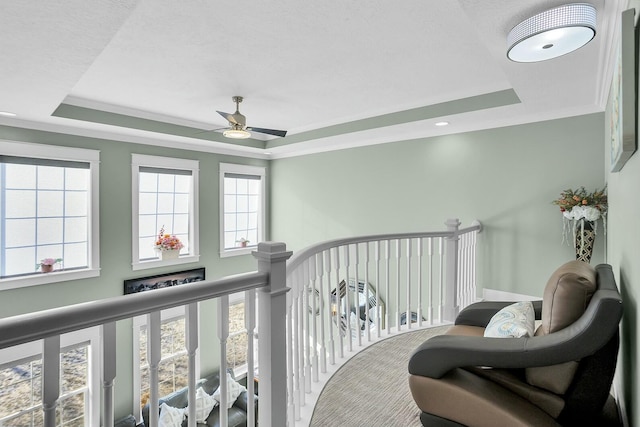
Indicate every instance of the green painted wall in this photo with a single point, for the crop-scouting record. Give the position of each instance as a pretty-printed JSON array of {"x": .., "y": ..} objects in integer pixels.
[
  {"x": 623, "y": 253},
  {"x": 115, "y": 246},
  {"x": 506, "y": 178}
]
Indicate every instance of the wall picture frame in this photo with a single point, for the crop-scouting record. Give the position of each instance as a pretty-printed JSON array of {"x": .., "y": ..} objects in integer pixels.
[
  {"x": 624, "y": 120},
  {"x": 159, "y": 281}
]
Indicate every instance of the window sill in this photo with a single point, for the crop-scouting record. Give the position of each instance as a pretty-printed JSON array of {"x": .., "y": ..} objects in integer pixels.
[
  {"x": 144, "y": 265},
  {"x": 238, "y": 251},
  {"x": 46, "y": 278}
]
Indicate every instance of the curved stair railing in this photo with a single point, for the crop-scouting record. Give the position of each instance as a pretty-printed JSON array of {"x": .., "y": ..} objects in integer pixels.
[{"x": 348, "y": 293}]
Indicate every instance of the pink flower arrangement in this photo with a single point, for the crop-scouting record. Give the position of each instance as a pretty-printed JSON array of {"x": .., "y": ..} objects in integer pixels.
[
  {"x": 167, "y": 242},
  {"x": 50, "y": 261}
]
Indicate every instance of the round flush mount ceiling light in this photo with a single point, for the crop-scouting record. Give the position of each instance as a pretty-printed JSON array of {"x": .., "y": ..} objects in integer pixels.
[
  {"x": 236, "y": 133},
  {"x": 552, "y": 33}
]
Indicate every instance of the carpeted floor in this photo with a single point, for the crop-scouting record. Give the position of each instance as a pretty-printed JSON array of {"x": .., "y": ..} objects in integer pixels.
[{"x": 372, "y": 389}]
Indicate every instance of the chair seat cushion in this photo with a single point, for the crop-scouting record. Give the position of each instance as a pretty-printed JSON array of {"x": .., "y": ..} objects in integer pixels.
[{"x": 471, "y": 400}]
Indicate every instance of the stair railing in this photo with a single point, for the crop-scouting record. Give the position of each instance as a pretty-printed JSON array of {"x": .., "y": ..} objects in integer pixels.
[{"x": 348, "y": 293}]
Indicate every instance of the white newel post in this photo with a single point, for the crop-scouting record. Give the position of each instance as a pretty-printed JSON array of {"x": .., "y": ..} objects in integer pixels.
[
  {"x": 272, "y": 345},
  {"x": 451, "y": 306}
]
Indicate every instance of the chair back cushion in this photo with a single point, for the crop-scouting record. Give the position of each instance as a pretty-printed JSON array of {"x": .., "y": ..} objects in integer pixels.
[{"x": 565, "y": 299}]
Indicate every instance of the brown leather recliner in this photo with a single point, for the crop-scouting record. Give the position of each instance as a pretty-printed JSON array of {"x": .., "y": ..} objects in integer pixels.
[{"x": 559, "y": 377}]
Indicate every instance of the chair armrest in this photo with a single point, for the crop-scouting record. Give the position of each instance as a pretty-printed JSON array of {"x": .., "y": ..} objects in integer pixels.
[
  {"x": 438, "y": 355},
  {"x": 479, "y": 313}
]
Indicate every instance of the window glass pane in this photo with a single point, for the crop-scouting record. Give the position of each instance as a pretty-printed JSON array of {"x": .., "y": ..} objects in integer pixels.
[
  {"x": 243, "y": 203},
  {"x": 20, "y": 260},
  {"x": 50, "y": 178},
  {"x": 242, "y": 186},
  {"x": 75, "y": 229},
  {"x": 230, "y": 239},
  {"x": 229, "y": 203},
  {"x": 49, "y": 230},
  {"x": 230, "y": 186},
  {"x": 147, "y": 203},
  {"x": 166, "y": 183},
  {"x": 20, "y": 203},
  {"x": 76, "y": 203},
  {"x": 20, "y": 176},
  {"x": 75, "y": 255},
  {"x": 253, "y": 186},
  {"x": 181, "y": 225},
  {"x": 252, "y": 236},
  {"x": 148, "y": 182},
  {"x": 252, "y": 220},
  {"x": 253, "y": 203},
  {"x": 20, "y": 232},
  {"x": 181, "y": 203},
  {"x": 183, "y": 184},
  {"x": 76, "y": 179},
  {"x": 165, "y": 203},
  {"x": 148, "y": 226},
  {"x": 243, "y": 221},
  {"x": 50, "y": 203},
  {"x": 49, "y": 251}
]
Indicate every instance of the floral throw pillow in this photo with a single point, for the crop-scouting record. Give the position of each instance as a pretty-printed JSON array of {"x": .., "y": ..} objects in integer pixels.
[
  {"x": 234, "y": 389},
  {"x": 514, "y": 321}
]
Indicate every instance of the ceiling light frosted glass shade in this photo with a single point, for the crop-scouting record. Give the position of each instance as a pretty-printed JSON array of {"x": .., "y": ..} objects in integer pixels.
[
  {"x": 236, "y": 134},
  {"x": 553, "y": 33}
]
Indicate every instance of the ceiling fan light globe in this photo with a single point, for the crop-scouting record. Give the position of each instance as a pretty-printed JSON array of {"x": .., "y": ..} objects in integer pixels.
[{"x": 236, "y": 134}]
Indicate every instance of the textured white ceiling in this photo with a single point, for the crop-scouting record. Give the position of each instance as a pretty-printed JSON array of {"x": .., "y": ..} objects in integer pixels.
[{"x": 300, "y": 66}]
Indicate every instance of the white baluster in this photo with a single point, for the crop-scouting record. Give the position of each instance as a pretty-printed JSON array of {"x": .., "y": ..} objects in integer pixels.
[
  {"x": 377, "y": 275},
  {"x": 431, "y": 307},
  {"x": 223, "y": 335},
  {"x": 347, "y": 265},
  {"x": 338, "y": 307},
  {"x": 153, "y": 356},
  {"x": 321, "y": 315},
  {"x": 420, "y": 261},
  {"x": 356, "y": 292},
  {"x": 108, "y": 333},
  {"x": 308, "y": 348},
  {"x": 441, "y": 279},
  {"x": 367, "y": 320},
  {"x": 311, "y": 315},
  {"x": 330, "y": 311},
  {"x": 408, "y": 312},
  {"x": 387, "y": 259},
  {"x": 250, "y": 326},
  {"x": 50, "y": 378},
  {"x": 191, "y": 345},
  {"x": 398, "y": 257}
]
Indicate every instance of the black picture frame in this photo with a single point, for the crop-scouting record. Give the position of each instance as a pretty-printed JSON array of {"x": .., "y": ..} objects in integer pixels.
[{"x": 159, "y": 281}]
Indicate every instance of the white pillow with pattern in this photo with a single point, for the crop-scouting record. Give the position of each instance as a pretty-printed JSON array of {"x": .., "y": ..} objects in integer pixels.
[{"x": 514, "y": 321}]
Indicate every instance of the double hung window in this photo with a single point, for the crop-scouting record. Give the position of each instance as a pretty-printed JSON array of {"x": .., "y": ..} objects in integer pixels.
[
  {"x": 165, "y": 201},
  {"x": 242, "y": 206},
  {"x": 48, "y": 213}
]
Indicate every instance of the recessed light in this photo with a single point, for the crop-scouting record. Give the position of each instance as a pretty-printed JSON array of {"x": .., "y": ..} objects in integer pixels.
[
  {"x": 442, "y": 124},
  {"x": 7, "y": 114}
]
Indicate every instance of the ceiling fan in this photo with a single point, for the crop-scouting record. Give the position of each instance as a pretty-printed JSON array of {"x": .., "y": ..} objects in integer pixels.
[{"x": 238, "y": 128}]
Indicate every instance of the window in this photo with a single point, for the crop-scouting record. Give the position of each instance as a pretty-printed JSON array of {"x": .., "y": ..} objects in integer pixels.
[
  {"x": 48, "y": 209},
  {"x": 164, "y": 198},
  {"x": 173, "y": 367},
  {"x": 242, "y": 206},
  {"x": 21, "y": 383}
]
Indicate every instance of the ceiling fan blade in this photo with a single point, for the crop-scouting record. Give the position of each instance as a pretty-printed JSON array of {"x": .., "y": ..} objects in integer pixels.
[
  {"x": 229, "y": 117},
  {"x": 281, "y": 133}
]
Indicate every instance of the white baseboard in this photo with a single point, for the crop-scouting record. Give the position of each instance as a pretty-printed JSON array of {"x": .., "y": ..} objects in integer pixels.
[{"x": 496, "y": 295}]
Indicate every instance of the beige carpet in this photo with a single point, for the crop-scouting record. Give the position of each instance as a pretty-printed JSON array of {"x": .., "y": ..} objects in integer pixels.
[{"x": 372, "y": 389}]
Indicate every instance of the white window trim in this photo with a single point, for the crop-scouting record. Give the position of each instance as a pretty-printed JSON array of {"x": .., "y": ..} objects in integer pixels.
[
  {"x": 140, "y": 321},
  {"x": 11, "y": 355},
  {"x": 44, "y": 151},
  {"x": 247, "y": 170},
  {"x": 138, "y": 160}
]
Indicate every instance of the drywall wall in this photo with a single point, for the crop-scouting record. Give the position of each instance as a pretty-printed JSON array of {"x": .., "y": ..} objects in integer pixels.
[{"x": 506, "y": 178}]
